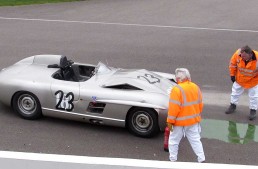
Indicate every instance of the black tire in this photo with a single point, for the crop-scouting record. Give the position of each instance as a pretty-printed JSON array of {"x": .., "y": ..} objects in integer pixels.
[
  {"x": 143, "y": 122},
  {"x": 27, "y": 105}
]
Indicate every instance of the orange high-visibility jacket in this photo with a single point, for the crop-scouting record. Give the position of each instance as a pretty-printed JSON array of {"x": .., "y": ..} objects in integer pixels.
[
  {"x": 246, "y": 74},
  {"x": 185, "y": 104}
]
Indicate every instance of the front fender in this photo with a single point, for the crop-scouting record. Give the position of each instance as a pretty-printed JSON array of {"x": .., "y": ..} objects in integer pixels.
[
  {"x": 169, "y": 76},
  {"x": 163, "y": 113}
]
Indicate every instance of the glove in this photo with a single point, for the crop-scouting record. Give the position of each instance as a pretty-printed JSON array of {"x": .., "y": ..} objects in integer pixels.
[
  {"x": 170, "y": 126},
  {"x": 233, "y": 78}
]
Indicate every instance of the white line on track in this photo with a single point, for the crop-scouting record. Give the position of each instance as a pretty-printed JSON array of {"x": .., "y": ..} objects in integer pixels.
[
  {"x": 136, "y": 25},
  {"x": 84, "y": 160}
]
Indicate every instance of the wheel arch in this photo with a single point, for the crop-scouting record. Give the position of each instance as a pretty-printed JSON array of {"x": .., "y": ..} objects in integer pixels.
[{"x": 22, "y": 91}]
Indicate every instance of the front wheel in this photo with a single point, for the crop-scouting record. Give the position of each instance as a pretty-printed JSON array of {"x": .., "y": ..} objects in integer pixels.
[
  {"x": 143, "y": 122},
  {"x": 26, "y": 105}
]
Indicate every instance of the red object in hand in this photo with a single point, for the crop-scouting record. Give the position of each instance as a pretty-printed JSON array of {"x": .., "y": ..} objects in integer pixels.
[{"x": 166, "y": 137}]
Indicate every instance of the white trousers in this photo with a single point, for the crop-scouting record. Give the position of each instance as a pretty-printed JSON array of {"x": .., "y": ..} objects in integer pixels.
[
  {"x": 238, "y": 90},
  {"x": 193, "y": 135}
]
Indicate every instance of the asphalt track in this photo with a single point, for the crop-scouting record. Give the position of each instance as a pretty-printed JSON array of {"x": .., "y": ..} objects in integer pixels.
[{"x": 155, "y": 35}]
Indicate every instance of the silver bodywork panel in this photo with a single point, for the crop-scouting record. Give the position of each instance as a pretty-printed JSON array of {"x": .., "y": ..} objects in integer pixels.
[{"x": 104, "y": 97}]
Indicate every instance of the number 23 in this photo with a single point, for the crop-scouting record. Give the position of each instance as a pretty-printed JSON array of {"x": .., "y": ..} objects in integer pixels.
[{"x": 64, "y": 101}]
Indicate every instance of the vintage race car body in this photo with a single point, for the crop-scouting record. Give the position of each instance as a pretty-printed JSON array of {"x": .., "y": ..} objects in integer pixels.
[{"x": 44, "y": 85}]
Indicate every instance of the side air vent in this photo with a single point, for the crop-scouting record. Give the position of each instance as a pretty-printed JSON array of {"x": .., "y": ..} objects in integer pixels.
[
  {"x": 172, "y": 80},
  {"x": 124, "y": 87},
  {"x": 96, "y": 107}
]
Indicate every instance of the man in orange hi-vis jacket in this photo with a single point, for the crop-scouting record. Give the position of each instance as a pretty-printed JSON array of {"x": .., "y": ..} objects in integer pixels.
[
  {"x": 243, "y": 69},
  {"x": 184, "y": 115}
]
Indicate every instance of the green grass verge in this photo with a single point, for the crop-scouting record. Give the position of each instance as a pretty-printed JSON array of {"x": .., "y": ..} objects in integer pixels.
[{"x": 29, "y": 2}]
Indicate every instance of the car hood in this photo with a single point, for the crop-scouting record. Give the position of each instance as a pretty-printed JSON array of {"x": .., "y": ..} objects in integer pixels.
[{"x": 133, "y": 79}]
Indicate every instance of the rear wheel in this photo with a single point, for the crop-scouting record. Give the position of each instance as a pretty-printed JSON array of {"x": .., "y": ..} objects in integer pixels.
[
  {"x": 143, "y": 122},
  {"x": 27, "y": 105}
]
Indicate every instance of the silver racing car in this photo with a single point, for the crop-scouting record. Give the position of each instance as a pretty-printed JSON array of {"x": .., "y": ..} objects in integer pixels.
[{"x": 52, "y": 85}]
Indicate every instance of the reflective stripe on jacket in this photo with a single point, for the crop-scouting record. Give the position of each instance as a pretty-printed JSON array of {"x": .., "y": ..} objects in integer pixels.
[
  {"x": 246, "y": 74},
  {"x": 185, "y": 105}
]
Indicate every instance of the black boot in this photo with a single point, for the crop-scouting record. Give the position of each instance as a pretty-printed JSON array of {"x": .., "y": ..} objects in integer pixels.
[
  {"x": 252, "y": 115},
  {"x": 231, "y": 109}
]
